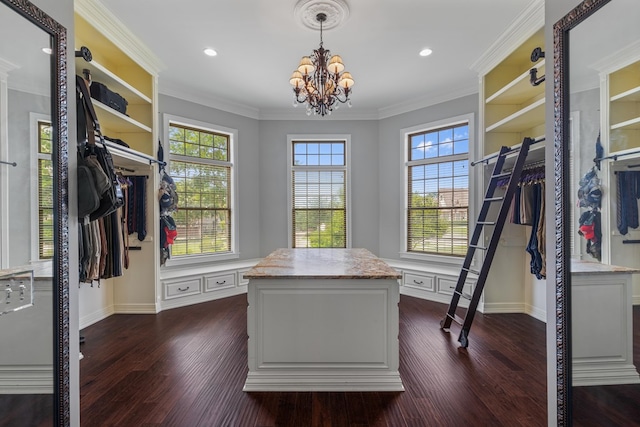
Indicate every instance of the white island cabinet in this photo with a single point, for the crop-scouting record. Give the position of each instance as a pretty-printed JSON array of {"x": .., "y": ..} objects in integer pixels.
[
  {"x": 602, "y": 324},
  {"x": 323, "y": 320}
]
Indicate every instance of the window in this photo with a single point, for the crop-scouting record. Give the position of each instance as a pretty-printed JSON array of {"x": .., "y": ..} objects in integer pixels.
[
  {"x": 438, "y": 190},
  {"x": 319, "y": 215},
  {"x": 45, "y": 190},
  {"x": 200, "y": 163}
]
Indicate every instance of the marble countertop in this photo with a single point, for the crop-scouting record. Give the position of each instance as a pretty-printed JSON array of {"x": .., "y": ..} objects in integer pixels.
[
  {"x": 310, "y": 263},
  {"x": 579, "y": 267},
  {"x": 40, "y": 271}
]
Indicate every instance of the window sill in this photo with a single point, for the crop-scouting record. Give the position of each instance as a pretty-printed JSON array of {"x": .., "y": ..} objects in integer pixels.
[
  {"x": 198, "y": 260},
  {"x": 443, "y": 260}
]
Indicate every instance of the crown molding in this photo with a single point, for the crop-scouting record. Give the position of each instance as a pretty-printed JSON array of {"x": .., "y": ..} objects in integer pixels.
[
  {"x": 103, "y": 20},
  {"x": 33, "y": 89},
  {"x": 523, "y": 27},
  {"x": 424, "y": 102},
  {"x": 618, "y": 59},
  {"x": 180, "y": 92},
  {"x": 5, "y": 67}
]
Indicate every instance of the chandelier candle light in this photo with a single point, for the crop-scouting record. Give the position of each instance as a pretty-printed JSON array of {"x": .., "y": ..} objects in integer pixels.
[{"x": 320, "y": 80}]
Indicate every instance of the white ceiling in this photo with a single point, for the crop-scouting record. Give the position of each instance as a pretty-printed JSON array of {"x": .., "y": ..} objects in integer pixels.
[{"x": 259, "y": 44}]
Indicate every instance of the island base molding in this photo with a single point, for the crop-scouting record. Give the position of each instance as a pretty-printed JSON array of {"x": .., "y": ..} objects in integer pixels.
[
  {"x": 322, "y": 382},
  {"x": 584, "y": 375}
]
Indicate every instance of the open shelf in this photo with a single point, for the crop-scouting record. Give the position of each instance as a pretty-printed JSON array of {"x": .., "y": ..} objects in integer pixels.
[
  {"x": 101, "y": 74},
  {"x": 536, "y": 154},
  {"x": 519, "y": 90},
  {"x": 627, "y": 124},
  {"x": 521, "y": 120},
  {"x": 631, "y": 95},
  {"x": 113, "y": 119},
  {"x": 127, "y": 157}
]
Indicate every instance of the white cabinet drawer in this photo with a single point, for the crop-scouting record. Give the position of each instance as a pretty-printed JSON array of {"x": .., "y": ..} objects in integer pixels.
[
  {"x": 242, "y": 281},
  {"x": 446, "y": 286},
  {"x": 420, "y": 281},
  {"x": 177, "y": 289},
  {"x": 220, "y": 281}
]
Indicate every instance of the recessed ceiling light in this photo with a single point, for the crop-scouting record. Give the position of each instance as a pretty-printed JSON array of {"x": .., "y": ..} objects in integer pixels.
[
  {"x": 426, "y": 52},
  {"x": 210, "y": 52},
  {"x": 47, "y": 50}
]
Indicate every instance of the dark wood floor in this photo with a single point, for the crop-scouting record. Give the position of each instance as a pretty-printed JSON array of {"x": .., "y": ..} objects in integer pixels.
[{"x": 186, "y": 367}]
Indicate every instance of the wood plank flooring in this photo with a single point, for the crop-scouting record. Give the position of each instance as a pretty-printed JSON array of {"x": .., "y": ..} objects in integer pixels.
[{"x": 187, "y": 366}]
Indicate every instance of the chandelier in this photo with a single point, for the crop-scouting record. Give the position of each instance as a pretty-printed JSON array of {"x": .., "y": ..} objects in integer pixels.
[{"x": 320, "y": 80}]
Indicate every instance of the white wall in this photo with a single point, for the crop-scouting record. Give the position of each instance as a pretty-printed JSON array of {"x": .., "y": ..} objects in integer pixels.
[
  {"x": 365, "y": 171},
  {"x": 390, "y": 184},
  {"x": 19, "y": 234},
  {"x": 249, "y": 164}
]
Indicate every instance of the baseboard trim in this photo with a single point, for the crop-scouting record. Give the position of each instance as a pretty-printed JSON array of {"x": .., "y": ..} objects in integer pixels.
[
  {"x": 35, "y": 379},
  {"x": 134, "y": 309},
  {"x": 96, "y": 316},
  {"x": 509, "y": 307},
  {"x": 536, "y": 313}
]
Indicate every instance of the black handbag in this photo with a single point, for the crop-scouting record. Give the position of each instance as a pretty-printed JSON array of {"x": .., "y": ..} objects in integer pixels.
[
  {"x": 88, "y": 195},
  {"x": 113, "y": 197}
]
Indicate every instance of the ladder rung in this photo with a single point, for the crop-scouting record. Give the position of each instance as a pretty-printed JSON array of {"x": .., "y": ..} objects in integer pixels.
[
  {"x": 459, "y": 320},
  {"x": 486, "y": 223},
  {"x": 501, "y": 175},
  {"x": 493, "y": 199},
  {"x": 478, "y": 247},
  {"x": 468, "y": 270},
  {"x": 463, "y": 295}
]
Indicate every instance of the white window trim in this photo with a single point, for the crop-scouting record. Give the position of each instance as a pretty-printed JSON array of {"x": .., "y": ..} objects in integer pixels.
[
  {"x": 576, "y": 244},
  {"x": 5, "y": 67},
  {"x": 474, "y": 177},
  {"x": 34, "y": 118},
  {"x": 189, "y": 260},
  {"x": 320, "y": 138}
]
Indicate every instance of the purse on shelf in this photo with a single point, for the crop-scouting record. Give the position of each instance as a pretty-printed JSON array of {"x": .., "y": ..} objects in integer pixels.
[{"x": 98, "y": 160}]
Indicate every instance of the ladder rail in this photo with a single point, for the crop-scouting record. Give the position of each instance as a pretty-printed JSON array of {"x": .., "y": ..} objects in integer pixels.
[
  {"x": 493, "y": 244},
  {"x": 477, "y": 233}
]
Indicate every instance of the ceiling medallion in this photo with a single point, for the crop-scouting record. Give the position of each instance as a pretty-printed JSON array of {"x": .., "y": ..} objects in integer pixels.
[{"x": 336, "y": 12}]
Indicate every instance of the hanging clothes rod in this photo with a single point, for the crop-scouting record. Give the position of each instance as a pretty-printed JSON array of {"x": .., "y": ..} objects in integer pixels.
[
  {"x": 533, "y": 165},
  {"x": 130, "y": 151},
  {"x": 486, "y": 159},
  {"x": 627, "y": 242},
  {"x": 615, "y": 157},
  {"x": 14, "y": 164}
]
